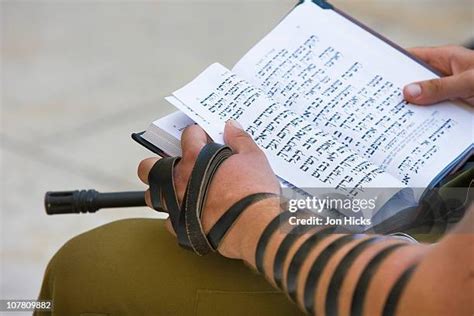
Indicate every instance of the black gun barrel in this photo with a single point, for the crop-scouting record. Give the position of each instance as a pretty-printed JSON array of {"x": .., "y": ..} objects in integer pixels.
[{"x": 89, "y": 201}]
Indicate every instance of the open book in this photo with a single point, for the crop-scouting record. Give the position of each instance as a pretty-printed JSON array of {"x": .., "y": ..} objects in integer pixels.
[{"x": 322, "y": 96}]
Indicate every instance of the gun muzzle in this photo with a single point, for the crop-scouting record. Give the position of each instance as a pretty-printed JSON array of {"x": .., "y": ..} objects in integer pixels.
[{"x": 90, "y": 201}]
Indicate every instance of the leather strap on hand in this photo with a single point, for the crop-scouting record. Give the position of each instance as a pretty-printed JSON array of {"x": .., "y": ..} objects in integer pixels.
[{"x": 186, "y": 218}]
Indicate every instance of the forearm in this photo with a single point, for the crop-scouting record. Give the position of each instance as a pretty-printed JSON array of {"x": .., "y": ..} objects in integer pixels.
[{"x": 353, "y": 269}]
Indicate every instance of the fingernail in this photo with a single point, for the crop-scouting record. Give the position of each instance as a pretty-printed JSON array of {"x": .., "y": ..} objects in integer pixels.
[
  {"x": 413, "y": 90},
  {"x": 235, "y": 124}
]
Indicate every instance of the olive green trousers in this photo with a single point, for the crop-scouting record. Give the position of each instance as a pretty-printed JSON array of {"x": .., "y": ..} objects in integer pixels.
[{"x": 135, "y": 267}]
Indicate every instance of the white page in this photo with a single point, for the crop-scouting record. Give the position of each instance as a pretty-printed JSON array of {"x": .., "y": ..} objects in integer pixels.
[
  {"x": 298, "y": 152},
  {"x": 174, "y": 124},
  {"x": 165, "y": 133},
  {"x": 348, "y": 83}
]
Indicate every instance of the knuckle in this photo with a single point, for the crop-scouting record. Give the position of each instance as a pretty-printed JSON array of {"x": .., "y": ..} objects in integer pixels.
[
  {"x": 245, "y": 139},
  {"x": 435, "y": 86},
  {"x": 241, "y": 134},
  {"x": 455, "y": 53}
]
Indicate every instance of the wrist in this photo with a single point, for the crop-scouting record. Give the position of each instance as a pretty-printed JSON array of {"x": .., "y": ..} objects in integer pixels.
[{"x": 251, "y": 225}]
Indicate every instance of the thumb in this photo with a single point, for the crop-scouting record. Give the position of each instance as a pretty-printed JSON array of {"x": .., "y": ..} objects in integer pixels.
[
  {"x": 237, "y": 138},
  {"x": 436, "y": 90}
]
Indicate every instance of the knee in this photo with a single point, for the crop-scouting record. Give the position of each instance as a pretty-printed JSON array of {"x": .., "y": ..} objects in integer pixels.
[{"x": 103, "y": 251}]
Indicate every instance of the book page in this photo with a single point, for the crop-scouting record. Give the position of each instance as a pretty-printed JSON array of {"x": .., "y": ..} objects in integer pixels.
[
  {"x": 348, "y": 83},
  {"x": 173, "y": 125},
  {"x": 165, "y": 133},
  {"x": 297, "y": 150}
]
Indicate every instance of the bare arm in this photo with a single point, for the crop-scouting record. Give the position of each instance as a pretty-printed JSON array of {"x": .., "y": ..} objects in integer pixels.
[{"x": 440, "y": 278}]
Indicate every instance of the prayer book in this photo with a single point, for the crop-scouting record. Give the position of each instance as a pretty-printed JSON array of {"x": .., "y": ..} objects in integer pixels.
[{"x": 321, "y": 95}]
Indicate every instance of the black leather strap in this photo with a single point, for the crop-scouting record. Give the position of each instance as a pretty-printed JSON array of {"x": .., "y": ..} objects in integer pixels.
[
  {"x": 265, "y": 238},
  {"x": 318, "y": 266},
  {"x": 299, "y": 257},
  {"x": 207, "y": 163},
  {"x": 225, "y": 222},
  {"x": 358, "y": 299},
  {"x": 397, "y": 291},
  {"x": 162, "y": 192},
  {"x": 283, "y": 250},
  {"x": 339, "y": 275},
  {"x": 186, "y": 219}
]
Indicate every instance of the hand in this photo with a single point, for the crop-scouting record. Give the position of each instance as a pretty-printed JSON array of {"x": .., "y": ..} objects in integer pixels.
[
  {"x": 456, "y": 63},
  {"x": 244, "y": 173}
]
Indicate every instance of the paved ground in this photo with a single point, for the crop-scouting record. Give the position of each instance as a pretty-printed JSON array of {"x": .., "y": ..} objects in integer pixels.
[{"x": 79, "y": 76}]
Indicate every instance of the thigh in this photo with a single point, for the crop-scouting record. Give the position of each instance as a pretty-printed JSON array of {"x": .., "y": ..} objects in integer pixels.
[{"x": 134, "y": 267}]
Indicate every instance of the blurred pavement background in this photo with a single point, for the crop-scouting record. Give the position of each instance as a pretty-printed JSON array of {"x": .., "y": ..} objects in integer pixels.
[{"x": 77, "y": 77}]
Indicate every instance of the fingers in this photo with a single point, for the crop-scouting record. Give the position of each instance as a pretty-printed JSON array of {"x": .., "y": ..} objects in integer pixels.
[
  {"x": 168, "y": 225},
  {"x": 437, "y": 57},
  {"x": 148, "y": 199},
  {"x": 446, "y": 59},
  {"x": 192, "y": 141},
  {"x": 144, "y": 168},
  {"x": 238, "y": 139},
  {"x": 148, "y": 202},
  {"x": 441, "y": 58},
  {"x": 436, "y": 90}
]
